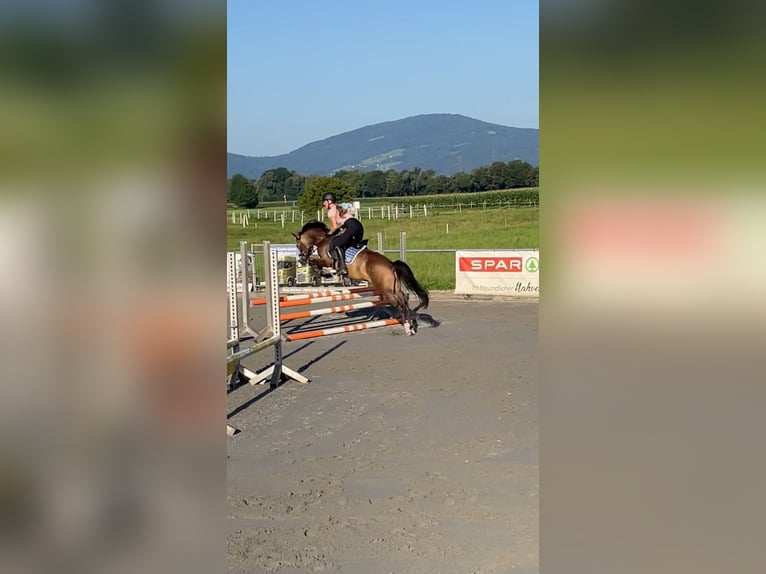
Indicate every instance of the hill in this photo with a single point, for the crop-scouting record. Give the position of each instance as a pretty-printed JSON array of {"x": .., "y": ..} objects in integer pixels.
[{"x": 446, "y": 143}]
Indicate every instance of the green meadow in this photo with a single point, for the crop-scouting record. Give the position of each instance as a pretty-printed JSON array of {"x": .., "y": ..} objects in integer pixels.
[{"x": 469, "y": 227}]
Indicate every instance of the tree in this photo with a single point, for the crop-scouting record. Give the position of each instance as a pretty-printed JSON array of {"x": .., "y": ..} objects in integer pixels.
[
  {"x": 437, "y": 185},
  {"x": 274, "y": 184},
  {"x": 294, "y": 185},
  {"x": 375, "y": 184},
  {"x": 461, "y": 182},
  {"x": 393, "y": 183},
  {"x": 533, "y": 177},
  {"x": 355, "y": 179},
  {"x": 242, "y": 192},
  {"x": 480, "y": 177},
  {"x": 311, "y": 198},
  {"x": 523, "y": 174},
  {"x": 423, "y": 179}
]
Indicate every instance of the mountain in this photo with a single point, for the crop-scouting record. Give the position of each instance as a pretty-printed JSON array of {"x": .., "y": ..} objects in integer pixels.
[{"x": 446, "y": 143}]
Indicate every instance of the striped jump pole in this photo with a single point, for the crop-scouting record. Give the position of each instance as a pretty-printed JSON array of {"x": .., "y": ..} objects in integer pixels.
[
  {"x": 321, "y": 293},
  {"x": 328, "y": 299},
  {"x": 328, "y": 310},
  {"x": 338, "y": 330}
]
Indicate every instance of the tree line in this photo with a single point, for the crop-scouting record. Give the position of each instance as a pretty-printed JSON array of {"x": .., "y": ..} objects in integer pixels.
[{"x": 283, "y": 184}]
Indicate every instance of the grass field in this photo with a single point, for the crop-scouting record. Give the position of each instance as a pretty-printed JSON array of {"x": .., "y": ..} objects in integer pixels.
[{"x": 513, "y": 228}]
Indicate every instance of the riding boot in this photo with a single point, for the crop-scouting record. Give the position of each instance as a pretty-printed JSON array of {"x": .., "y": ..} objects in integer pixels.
[{"x": 340, "y": 261}]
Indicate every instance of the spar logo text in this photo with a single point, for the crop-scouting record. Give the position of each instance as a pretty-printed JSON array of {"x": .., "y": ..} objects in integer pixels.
[{"x": 491, "y": 264}]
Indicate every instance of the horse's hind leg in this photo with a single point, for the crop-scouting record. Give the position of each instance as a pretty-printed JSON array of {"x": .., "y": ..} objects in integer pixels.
[
  {"x": 399, "y": 302},
  {"x": 408, "y": 319},
  {"x": 413, "y": 320},
  {"x": 412, "y": 314}
]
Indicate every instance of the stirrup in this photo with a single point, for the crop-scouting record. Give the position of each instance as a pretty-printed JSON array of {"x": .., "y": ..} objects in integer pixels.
[{"x": 340, "y": 267}]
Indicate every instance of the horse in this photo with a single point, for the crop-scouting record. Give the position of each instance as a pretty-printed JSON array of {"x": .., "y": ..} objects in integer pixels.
[{"x": 392, "y": 279}]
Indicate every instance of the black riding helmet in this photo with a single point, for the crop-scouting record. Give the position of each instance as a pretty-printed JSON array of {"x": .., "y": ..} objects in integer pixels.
[{"x": 329, "y": 195}]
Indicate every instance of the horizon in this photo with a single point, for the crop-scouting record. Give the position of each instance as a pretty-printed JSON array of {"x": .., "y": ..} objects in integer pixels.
[
  {"x": 300, "y": 72},
  {"x": 377, "y": 123}
]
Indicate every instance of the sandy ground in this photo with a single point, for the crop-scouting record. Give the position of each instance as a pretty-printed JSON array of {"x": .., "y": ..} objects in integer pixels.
[{"x": 403, "y": 455}]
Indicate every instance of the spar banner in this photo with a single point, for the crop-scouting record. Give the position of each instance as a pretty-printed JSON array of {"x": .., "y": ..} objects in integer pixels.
[{"x": 497, "y": 272}]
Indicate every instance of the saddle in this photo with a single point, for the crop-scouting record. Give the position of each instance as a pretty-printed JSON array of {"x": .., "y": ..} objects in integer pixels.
[{"x": 353, "y": 250}]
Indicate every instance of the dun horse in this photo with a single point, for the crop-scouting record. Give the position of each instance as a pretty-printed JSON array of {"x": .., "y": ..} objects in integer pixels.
[{"x": 392, "y": 279}]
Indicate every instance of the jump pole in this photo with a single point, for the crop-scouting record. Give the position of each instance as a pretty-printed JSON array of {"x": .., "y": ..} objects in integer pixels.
[
  {"x": 346, "y": 329},
  {"x": 328, "y": 299},
  {"x": 338, "y": 309},
  {"x": 358, "y": 292}
]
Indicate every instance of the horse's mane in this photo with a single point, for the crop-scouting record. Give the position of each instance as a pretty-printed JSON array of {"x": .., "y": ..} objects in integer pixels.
[{"x": 314, "y": 225}]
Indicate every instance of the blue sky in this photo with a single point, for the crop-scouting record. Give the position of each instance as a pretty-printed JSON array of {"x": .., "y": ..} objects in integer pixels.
[{"x": 302, "y": 70}]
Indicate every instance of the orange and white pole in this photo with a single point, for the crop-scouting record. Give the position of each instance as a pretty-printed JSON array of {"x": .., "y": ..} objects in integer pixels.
[{"x": 338, "y": 330}]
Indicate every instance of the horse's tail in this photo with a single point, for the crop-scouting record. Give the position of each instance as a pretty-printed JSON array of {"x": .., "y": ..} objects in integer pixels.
[{"x": 404, "y": 273}]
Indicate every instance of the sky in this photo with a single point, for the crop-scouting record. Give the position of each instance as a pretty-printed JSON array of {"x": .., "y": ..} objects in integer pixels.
[{"x": 305, "y": 70}]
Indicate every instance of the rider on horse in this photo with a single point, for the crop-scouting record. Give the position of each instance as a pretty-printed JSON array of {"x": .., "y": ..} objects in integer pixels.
[{"x": 345, "y": 230}]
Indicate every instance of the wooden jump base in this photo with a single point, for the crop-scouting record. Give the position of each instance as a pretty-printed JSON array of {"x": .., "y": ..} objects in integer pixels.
[
  {"x": 234, "y": 370},
  {"x": 338, "y": 330}
]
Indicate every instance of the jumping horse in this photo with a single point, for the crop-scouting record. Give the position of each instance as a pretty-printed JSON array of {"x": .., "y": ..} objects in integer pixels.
[{"x": 392, "y": 279}]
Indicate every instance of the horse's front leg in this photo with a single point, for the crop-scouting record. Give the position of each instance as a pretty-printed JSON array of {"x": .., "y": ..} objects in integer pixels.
[{"x": 320, "y": 264}]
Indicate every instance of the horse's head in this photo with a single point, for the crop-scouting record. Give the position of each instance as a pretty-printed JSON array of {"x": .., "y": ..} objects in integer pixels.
[
  {"x": 308, "y": 238},
  {"x": 304, "y": 249}
]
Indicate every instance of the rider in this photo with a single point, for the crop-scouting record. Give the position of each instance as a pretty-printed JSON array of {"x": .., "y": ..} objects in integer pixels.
[{"x": 344, "y": 229}]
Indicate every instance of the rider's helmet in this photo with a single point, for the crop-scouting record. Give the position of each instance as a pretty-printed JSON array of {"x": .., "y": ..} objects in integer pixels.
[{"x": 329, "y": 195}]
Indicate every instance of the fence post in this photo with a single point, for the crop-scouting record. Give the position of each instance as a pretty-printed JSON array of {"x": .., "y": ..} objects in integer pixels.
[
  {"x": 403, "y": 246},
  {"x": 380, "y": 242}
]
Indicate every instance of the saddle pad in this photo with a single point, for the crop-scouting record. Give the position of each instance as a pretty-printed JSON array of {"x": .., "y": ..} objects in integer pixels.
[{"x": 352, "y": 252}]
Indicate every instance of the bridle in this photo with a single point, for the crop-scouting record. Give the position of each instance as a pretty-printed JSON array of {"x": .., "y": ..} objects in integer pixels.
[{"x": 305, "y": 254}]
